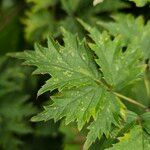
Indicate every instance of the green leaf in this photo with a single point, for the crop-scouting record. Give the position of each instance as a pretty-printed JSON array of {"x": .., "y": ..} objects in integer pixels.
[
  {"x": 38, "y": 25},
  {"x": 75, "y": 74},
  {"x": 119, "y": 68},
  {"x": 136, "y": 138},
  {"x": 40, "y": 22},
  {"x": 131, "y": 121},
  {"x": 132, "y": 30}
]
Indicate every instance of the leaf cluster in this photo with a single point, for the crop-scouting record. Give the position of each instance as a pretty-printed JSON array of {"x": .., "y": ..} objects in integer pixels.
[{"x": 90, "y": 78}]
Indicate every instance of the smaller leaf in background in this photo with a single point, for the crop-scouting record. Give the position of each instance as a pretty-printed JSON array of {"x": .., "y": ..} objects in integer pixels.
[
  {"x": 14, "y": 108},
  {"x": 39, "y": 25},
  {"x": 136, "y": 138},
  {"x": 132, "y": 30},
  {"x": 121, "y": 137}
]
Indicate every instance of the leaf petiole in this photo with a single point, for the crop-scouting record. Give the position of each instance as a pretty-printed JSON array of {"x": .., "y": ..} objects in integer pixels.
[{"x": 131, "y": 100}]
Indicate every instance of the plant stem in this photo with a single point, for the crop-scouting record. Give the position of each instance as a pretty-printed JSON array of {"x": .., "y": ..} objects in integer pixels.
[{"x": 130, "y": 100}]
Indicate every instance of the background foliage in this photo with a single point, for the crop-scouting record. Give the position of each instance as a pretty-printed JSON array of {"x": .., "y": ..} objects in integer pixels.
[{"x": 22, "y": 23}]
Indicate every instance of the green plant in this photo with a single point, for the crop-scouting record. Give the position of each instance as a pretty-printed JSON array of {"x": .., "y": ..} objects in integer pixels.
[
  {"x": 91, "y": 86},
  {"x": 68, "y": 11},
  {"x": 96, "y": 73}
]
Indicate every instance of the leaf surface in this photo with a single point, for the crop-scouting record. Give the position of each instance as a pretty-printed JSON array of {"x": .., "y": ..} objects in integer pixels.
[
  {"x": 132, "y": 30},
  {"x": 119, "y": 68}
]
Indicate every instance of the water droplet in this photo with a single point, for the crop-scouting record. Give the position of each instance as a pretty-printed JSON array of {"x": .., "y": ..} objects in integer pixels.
[
  {"x": 68, "y": 73},
  {"x": 117, "y": 68},
  {"x": 82, "y": 109},
  {"x": 54, "y": 108},
  {"x": 77, "y": 92},
  {"x": 83, "y": 57}
]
